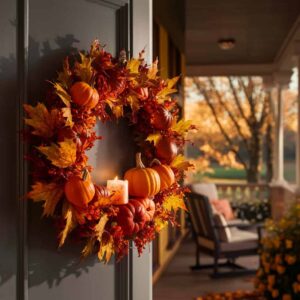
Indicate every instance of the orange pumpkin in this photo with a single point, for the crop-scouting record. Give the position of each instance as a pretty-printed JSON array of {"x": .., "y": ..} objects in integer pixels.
[
  {"x": 165, "y": 172},
  {"x": 80, "y": 191},
  {"x": 149, "y": 207},
  {"x": 142, "y": 181},
  {"x": 84, "y": 95}
]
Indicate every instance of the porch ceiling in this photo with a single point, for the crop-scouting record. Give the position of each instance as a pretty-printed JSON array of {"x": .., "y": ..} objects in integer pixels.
[{"x": 259, "y": 28}]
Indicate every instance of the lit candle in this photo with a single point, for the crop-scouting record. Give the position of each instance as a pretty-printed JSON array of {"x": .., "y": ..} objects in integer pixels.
[{"x": 118, "y": 191}]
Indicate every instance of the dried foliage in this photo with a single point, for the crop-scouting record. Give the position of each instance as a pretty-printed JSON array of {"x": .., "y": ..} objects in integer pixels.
[{"x": 61, "y": 130}]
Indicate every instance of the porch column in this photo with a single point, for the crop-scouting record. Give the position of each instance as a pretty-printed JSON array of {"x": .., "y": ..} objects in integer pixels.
[
  {"x": 281, "y": 80},
  {"x": 298, "y": 132}
]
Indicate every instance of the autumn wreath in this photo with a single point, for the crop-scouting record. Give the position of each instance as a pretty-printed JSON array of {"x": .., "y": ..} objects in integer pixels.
[{"x": 96, "y": 86}]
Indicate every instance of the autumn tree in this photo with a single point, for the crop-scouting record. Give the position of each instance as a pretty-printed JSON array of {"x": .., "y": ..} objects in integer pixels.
[{"x": 234, "y": 119}]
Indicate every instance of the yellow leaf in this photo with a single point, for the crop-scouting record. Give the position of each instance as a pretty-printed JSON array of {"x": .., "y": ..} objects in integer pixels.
[
  {"x": 154, "y": 137},
  {"x": 180, "y": 163},
  {"x": 84, "y": 69},
  {"x": 173, "y": 202},
  {"x": 153, "y": 70},
  {"x": 116, "y": 107},
  {"x": 99, "y": 228},
  {"x": 67, "y": 113},
  {"x": 133, "y": 102},
  {"x": 63, "y": 94},
  {"x": 70, "y": 223},
  {"x": 64, "y": 77},
  {"x": 62, "y": 155},
  {"x": 106, "y": 250},
  {"x": 182, "y": 126},
  {"x": 160, "y": 224},
  {"x": 43, "y": 121},
  {"x": 50, "y": 193},
  {"x": 133, "y": 65},
  {"x": 88, "y": 248},
  {"x": 162, "y": 95}
]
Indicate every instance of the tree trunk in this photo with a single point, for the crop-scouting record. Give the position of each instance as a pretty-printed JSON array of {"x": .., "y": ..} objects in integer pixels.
[
  {"x": 269, "y": 152},
  {"x": 254, "y": 157}
]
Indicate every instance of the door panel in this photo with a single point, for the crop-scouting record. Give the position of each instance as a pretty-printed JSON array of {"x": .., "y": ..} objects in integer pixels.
[
  {"x": 8, "y": 139},
  {"x": 56, "y": 29}
]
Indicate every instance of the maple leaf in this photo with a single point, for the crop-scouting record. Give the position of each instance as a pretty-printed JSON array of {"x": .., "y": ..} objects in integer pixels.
[
  {"x": 116, "y": 107},
  {"x": 173, "y": 202},
  {"x": 133, "y": 65},
  {"x": 133, "y": 102},
  {"x": 84, "y": 69},
  {"x": 160, "y": 224},
  {"x": 70, "y": 223},
  {"x": 162, "y": 95},
  {"x": 180, "y": 163},
  {"x": 62, "y": 155},
  {"x": 182, "y": 126},
  {"x": 43, "y": 121},
  {"x": 64, "y": 77},
  {"x": 88, "y": 248},
  {"x": 153, "y": 70},
  {"x": 50, "y": 193},
  {"x": 153, "y": 137},
  {"x": 99, "y": 228},
  {"x": 67, "y": 113},
  {"x": 106, "y": 250},
  {"x": 63, "y": 94}
]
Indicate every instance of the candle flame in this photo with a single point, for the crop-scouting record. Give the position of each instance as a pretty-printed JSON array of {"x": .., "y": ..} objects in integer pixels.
[{"x": 116, "y": 178}]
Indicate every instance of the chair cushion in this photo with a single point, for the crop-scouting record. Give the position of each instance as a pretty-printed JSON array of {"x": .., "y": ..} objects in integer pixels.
[
  {"x": 223, "y": 231},
  {"x": 207, "y": 189},
  {"x": 223, "y": 207},
  {"x": 241, "y": 240}
]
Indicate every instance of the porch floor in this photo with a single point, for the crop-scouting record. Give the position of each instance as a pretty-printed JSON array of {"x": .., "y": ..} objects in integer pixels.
[{"x": 178, "y": 282}]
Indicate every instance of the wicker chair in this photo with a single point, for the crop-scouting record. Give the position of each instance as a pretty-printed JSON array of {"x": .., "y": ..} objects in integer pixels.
[{"x": 218, "y": 239}]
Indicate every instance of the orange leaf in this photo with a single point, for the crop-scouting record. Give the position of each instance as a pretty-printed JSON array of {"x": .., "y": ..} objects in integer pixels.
[
  {"x": 70, "y": 223},
  {"x": 88, "y": 248},
  {"x": 84, "y": 69},
  {"x": 106, "y": 250},
  {"x": 153, "y": 70},
  {"x": 99, "y": 228},
  {"x": 133, "y": 65},
  {"x": 162, "y": 95},
  {"x": 67, "y": 113},
  {"x": 64, "y": 77},
  {"x": 63, "y": 94},
  {"x": 173, "y": 202},
  {"x": 180, "y": 163},
  {"x": 50, "y": 193},
  {"x": 62, "y": 155},
  {"x": 43, "y": 121}
]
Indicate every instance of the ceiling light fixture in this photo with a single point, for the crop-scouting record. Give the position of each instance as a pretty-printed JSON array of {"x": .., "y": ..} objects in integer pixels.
[{"x": 226, "y": 44}]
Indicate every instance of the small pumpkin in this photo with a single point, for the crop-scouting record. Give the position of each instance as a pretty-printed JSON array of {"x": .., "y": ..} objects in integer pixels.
[
  {"x": 149, "y": 205},
  {"x": 131, "y": 217},
  {"x": 142, "y": 181},
  {"x": 166, "y": 149},
  {"x": 165, "y": 172},
  {"x": 80, "y": 190},
  {"x": 84, "y": 95},
  {"x": 161, "y": 119}
]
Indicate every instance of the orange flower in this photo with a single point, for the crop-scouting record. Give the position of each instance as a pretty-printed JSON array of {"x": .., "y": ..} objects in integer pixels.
[
  {"x": 289, "y": 244},
  {"x": 280, "y": 269},
  {"x": 290, "y": 259},
  {"x": 275, "y": 293},
  {"x": 271, "y": 280}
]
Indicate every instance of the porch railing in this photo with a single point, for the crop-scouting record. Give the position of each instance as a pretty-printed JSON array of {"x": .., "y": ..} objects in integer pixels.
[{"x": 244, "y": 192}]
